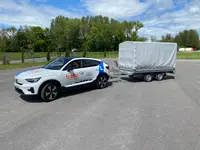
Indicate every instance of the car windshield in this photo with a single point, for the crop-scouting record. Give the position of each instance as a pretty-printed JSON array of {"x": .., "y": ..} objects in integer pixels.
[{"x": 57, "y": 64}]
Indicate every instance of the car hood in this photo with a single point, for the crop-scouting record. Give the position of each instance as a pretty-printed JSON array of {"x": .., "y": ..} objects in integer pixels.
[{"x": 36, "y": 72}]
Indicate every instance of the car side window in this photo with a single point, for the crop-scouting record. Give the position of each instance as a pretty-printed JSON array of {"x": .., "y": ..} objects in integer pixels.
[
  {"x": 76, "y": 64},
  {"x": 89, "y": 63}
]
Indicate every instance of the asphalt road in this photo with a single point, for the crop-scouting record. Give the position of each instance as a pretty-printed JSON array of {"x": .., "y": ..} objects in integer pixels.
[{"x": 129, "y": 115}]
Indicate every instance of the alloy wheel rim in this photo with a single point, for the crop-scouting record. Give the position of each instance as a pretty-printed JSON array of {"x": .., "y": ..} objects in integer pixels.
[
  {"x": 148, "y": 77},
  {"x": 160, "y": 76},
  {"x": 102, "y": 82},
  {"x": 51, "y": 92}
]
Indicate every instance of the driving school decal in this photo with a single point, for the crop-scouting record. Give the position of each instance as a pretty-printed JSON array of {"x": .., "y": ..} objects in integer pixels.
[
  {"x": 101, "y": 67},
  {"x": 72, "y": 76}
]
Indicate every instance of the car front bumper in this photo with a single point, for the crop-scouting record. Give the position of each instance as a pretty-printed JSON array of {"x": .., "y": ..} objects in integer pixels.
[{"x": 25, "y": 89}]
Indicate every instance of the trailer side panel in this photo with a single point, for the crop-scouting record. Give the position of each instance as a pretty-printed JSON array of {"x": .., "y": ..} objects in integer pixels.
[{"x": 147, "y": 56}]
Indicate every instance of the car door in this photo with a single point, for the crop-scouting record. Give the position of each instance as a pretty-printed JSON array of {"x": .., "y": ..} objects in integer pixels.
[
  {"x": 90, "y": 68},
  {"x": 72, "y": 73}
]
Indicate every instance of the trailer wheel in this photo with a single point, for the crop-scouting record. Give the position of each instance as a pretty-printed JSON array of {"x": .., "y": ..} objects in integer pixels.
[
  {"x": 165, "y": 75},
  {"x": 159, "y": 76},
  {"x": 148, "y": 77},
  {"x": 131, "y": 76}
]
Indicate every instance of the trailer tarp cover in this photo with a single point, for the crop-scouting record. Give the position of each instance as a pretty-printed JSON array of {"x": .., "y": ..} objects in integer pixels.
[{"x": 147, "y": 55}]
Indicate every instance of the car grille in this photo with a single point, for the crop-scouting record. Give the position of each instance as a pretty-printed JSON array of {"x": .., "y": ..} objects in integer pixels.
[{"x": 19, "y": 91}]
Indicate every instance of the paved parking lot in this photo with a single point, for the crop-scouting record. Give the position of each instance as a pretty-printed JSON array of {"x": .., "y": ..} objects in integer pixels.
[{"x": 126, "y": 115}]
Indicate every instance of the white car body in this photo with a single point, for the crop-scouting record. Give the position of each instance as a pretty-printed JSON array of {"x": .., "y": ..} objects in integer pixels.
[{"x": 65, "y": 78}]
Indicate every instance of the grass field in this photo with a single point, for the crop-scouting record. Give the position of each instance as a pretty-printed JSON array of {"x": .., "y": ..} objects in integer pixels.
[
  {"x": 16, "y": 56},
  {"x": 188, "y": 55},
  {"x": 21, "y": 65}
]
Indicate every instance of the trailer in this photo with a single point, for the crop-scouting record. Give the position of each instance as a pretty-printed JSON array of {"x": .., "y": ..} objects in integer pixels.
[{"x": 149, "y": 60}]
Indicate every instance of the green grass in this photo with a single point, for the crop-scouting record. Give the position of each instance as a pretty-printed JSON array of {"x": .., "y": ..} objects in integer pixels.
[
  {"x": 16, "y": 56},
  {"x": 99, "y": 54},
  {"x": 188, "y": 55},
  {"x": 21, "y": 65}
]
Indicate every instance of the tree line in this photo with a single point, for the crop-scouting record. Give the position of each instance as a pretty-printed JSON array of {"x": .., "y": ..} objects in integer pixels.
[
  {"x": 91, "y": 33},
  {"x": 186, "y": 38}
]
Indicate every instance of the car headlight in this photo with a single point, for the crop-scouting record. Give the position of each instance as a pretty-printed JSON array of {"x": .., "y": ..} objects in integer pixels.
[{"x": 33, "y": 80}]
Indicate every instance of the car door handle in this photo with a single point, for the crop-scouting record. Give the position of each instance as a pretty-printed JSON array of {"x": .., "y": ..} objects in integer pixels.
[{"x": 81, "y": 72}]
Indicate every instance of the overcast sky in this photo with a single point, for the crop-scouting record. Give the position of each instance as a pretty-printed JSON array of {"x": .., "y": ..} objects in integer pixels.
[{"x": 158, "y": 16}]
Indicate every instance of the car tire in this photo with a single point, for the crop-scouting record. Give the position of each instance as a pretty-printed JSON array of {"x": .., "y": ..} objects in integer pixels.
[
  {"x": 148, "y": 77},
  {"x": 159, "y": 76},
  {"x": 50, "y": 92},
  {"x": 102, "y": 81}
]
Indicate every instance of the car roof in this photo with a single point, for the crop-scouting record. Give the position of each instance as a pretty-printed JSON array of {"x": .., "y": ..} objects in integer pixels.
[
  {"x": 87, "y": 58},
  {"x": 74, "y": 58}
]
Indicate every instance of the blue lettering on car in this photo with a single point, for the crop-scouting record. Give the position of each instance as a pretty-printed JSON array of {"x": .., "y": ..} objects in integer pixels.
[{"x": 101, "y": 67}]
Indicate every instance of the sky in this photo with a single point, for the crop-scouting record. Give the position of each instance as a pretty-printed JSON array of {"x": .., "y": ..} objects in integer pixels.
[{"x": 158, "y": 16}]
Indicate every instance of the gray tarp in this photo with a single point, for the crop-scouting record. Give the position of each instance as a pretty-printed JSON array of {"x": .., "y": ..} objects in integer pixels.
[{"x": 147, "y": 55}]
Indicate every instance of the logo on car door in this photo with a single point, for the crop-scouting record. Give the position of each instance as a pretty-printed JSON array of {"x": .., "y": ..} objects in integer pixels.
[{"x": 72, "y": 76}]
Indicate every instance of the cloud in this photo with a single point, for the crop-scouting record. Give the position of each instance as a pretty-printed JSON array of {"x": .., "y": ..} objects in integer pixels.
[
  {"x": 124, "y": 8},
  {"x": 163, "y": 4},
  {"x": 116, "y": 9},
  {"x": 173, "y": 22},
  {"x": 158, "y": 16},
  {"x": 24, "y": 13},
  {"x": 154, "y": 14},
  {"x": 41, "y": 0}
]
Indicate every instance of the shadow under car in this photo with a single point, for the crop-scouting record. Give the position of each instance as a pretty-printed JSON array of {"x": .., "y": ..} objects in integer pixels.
[{"x": 65, "y": 92}]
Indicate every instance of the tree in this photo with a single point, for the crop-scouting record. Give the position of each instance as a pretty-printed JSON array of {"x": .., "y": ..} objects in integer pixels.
[
  {"x": 167, "y": 38},
  {"x": 48, "y": 41},
  {"x": 7, "y": 39},
  {"x": 187, "y": 38},
  {"x": 22, "y": 41},
  {"x": 90, "y": 33},
  {"x": 193, "y": 39}
]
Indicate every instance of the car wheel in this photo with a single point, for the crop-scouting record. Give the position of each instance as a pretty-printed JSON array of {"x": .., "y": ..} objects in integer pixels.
[
  {"x": 159, "y": 76},
  {"x": 148, "y": 77},
  {"x": 102, "y": 81},
  {"x": 50, "y": 92}
]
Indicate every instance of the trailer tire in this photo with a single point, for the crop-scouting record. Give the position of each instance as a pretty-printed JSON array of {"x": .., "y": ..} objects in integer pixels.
[
  {"x": 165, "y": 75},
  {"x": 159, "y": 76},
  {"x": 131, "y": 76},
  {"x": 148, "y": 77}
]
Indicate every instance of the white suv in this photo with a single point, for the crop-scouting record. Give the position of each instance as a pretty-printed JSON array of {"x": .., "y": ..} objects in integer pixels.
[{"x": 47, "y": 81}]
